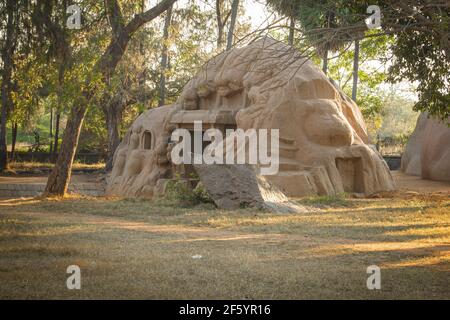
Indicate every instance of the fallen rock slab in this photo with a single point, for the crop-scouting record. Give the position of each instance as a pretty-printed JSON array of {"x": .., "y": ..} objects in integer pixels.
[{"x": 239, "y": 186}]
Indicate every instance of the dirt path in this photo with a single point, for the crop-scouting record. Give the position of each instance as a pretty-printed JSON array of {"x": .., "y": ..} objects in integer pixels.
[
  {"x": 416, "y": 184},
  {"x": 403, "y": 182},
  {"x": 33, "y": 185},
  {"x": 89, "y": 184},
  {"x": 40, "y": 179}
]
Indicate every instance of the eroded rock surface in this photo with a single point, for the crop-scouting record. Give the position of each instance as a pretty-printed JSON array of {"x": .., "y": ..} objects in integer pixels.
[
  {"x": 266, "y": 85},
  {"x": 239, "y": 186},
  {"x": 427, "y": 153},
  {"x": 141, "y": 158}
]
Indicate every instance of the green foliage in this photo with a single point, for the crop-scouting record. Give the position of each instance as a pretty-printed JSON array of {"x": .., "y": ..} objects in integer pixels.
[
  {"x": 420, "y": 58},
  {"x": 398, "y": 118},
  {"x": 180, "y": 192},
  {"x": 420, "y": 46},
  {"x": 374, "y": 51},
  {"x": 321, "y": 20},
  {"x": 28, "y": 79},
  {"x": 40, "y": 87},
  {"x": 201, "y": 195},
  {"x": 93, "y": 134}
]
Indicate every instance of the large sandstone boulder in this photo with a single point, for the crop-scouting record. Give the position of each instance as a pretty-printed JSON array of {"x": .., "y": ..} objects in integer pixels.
[
  {"x": 427, "y": 153},
  {"x": 323, "y": 139},
  {"x": 266, "y": 85},
  {"x": 239, "y": 186}
]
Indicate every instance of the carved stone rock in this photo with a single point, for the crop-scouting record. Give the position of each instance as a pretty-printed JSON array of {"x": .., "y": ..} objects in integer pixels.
[{"x": 266, "y": 85}]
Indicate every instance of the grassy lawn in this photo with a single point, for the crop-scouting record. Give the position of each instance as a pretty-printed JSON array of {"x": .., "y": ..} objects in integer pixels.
[
  {"x": 140, "y": 249},
  {"x": 28, "y": 166}
]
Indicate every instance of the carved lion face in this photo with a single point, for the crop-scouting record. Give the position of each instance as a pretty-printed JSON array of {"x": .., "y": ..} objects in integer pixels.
[{"x": 325, "y": 125}]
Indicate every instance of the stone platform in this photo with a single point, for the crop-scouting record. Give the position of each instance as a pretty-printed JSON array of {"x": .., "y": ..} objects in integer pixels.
[{"x": 32, "y": 186}]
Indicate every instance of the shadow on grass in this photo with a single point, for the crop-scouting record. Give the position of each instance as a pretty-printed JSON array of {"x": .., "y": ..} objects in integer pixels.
[{"x": 250, "y": 254}]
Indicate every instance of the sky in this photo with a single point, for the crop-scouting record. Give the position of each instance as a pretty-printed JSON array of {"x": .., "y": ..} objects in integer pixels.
[{"x": 255, "y": 9}]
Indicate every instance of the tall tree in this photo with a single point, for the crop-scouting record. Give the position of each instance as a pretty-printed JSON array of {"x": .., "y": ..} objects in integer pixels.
[
  {"x": 52, "y": 49},
  {"x": 113, "y": 110},
  {"x": 355, "y": 70},
  {"x": 326, "y": 45},
  {"x": 50, "y": 135},
  {"x": 234, "y": 13},
  {"x": 9, "y": 47},
  {"x": 222, "y": 16},
  {"x": 291, "y": 30},
  {"x": 113, "y": 106},
  {"x": 164, "y": 57},
  {"x": 136, "y": 84},
  {"x": 59, "y": 92},
  {"x": 121, "y": 34},
  {"x": 118, "y": 94},
  {"x": 421, "y": 50},
  {"x": 14, "y": 128}
]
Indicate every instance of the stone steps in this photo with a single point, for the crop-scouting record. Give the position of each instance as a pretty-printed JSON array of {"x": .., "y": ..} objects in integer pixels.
[
  {"x": 287, "y": 164},
  {"x": 287, "y": 150}
]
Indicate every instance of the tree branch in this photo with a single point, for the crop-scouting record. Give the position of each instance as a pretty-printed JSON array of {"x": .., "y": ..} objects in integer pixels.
[
  {"x": 147, "y": 16},
  {"x": 109, "y": 60},
  {"x": 114, "y": 16}
]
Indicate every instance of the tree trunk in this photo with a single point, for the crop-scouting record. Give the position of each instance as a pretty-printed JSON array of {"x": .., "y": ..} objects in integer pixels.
[
  {"x": 219, "y": 24},
  {"x": 56, "y": 136},
  {"x": 325, "y": 62},
  {"x": 51, "y": 132},
  {"x": 58, "y": 181},
  {"x": 143, "y": 77},
  {"x": 291, "y": 32},
  {"x": 61, "y": 73},
  {"x": 13, "y": 141},
  {"x": 7, "y": 54},
  {"x": 234, "y": 12},
  {"x": 219, "y": 36},
  {"x": 355, "y": 71},
  {"x": 113, "y": 120},
  {"x": 3, "y": 145},
  {"x": 164, "y": 58}
]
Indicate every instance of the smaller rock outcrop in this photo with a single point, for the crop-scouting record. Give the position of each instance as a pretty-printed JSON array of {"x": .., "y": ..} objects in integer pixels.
[{"x": 427, "y": 153}]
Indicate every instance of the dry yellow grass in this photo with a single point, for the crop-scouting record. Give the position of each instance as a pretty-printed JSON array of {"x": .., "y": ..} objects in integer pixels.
[
  {"x": 46, "y": 165},
  {"x": 139, "y": 249}
]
